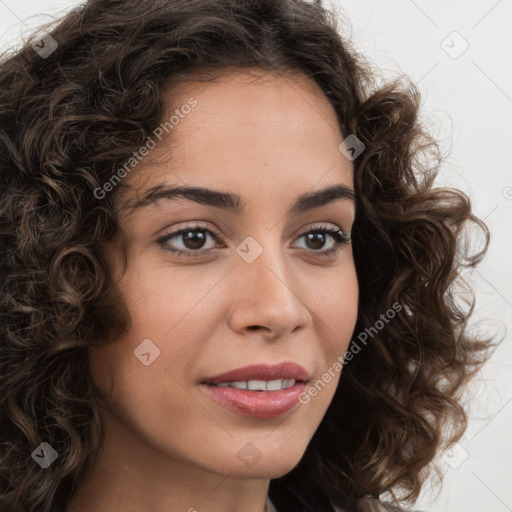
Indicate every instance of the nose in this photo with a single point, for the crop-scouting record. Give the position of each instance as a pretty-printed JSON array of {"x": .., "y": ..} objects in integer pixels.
[{"x": 267, "y": 296}]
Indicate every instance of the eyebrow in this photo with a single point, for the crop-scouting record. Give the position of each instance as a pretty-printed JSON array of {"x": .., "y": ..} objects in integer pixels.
[{"x": 234, "y": 203}]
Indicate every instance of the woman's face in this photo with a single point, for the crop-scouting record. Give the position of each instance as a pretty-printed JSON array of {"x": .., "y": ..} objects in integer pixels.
[{"x": 251, "y": 287}]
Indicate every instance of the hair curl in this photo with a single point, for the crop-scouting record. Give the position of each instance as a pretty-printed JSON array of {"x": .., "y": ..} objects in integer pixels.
[{"x": 68, "y": 121}]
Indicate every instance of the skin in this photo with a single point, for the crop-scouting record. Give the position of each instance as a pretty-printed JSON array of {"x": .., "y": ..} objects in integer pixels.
[{"x": 168, "y": 446}]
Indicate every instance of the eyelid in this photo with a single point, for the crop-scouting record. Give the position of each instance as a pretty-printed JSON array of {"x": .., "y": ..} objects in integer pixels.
[
  {"x": 321, "y": 227},
  {"x": 190, "y": 226}
]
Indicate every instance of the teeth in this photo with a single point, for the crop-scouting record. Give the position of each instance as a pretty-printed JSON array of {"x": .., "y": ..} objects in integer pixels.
[
  {"x": 288, "y": 383},
  {"x": 259, "y": 385},
  {"x": 273, "y": 385}
]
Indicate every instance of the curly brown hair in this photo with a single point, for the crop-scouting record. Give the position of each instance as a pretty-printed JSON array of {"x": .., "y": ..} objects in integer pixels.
[{"x": 70, "y": 120}]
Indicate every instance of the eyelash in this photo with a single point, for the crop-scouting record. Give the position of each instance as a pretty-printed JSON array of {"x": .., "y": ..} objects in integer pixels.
[{"x": 339, "y": 236}]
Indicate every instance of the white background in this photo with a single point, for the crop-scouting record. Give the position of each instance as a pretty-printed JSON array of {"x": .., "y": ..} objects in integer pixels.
[{"x": 467, "y": 103}]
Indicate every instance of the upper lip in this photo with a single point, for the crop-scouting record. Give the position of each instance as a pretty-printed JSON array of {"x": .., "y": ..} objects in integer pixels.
[{"x": 266, "y": 372}]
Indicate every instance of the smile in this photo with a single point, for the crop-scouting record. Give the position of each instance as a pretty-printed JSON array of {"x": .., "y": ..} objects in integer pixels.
[
  {"x": 258, "y": 385},
  {"x": 261, "y": 391}
]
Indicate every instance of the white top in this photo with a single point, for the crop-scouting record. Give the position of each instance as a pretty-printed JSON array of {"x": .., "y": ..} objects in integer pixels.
[{"x": 270, "y": 505}]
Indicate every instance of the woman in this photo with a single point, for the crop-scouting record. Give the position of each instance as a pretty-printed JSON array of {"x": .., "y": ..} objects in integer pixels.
[{"x": 228, "y": 278}]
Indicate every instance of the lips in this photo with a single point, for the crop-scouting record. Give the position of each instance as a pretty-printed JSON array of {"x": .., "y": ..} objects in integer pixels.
[
  {"x": 264, "y": 402},
  {"x": 263, "y": 372}
]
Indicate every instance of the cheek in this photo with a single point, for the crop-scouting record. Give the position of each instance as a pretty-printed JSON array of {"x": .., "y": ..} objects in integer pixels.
[
  {"x": 171, "y": 316},
  {"x": 162, "y": 302},
  {"x": 337, "y": 307}
]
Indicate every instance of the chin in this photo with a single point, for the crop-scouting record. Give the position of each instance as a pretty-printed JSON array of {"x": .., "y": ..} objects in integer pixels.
[
  {"x": 265, "y": 471},
  {"x": 273, "y": 463}
]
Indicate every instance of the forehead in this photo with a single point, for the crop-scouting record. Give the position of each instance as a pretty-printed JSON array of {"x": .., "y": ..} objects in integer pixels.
[
  {"x": 246, "y": 130},
  {"x": 254, "y": 104}
]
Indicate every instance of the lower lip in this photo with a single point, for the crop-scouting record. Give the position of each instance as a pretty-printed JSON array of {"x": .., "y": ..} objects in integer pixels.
[{"x": 257, "y": 404}]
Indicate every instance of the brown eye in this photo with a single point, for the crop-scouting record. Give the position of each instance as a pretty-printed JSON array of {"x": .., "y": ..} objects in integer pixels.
[
  {"x": 193, "y": 239},
  {"x": 316, "y": 240},
  {"x": 318, "y": 237},
  {"x": 188, "y": 241}
]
